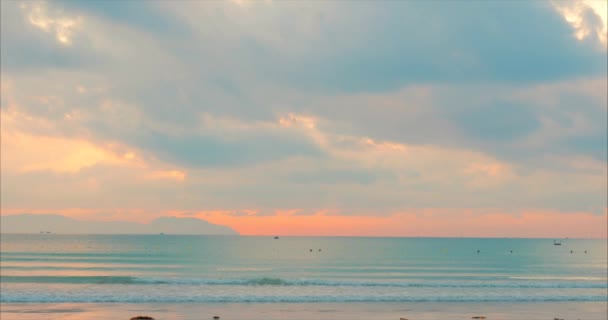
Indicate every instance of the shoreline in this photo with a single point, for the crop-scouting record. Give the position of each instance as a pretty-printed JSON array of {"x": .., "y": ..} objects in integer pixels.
[{"x": 596, "y": 310}]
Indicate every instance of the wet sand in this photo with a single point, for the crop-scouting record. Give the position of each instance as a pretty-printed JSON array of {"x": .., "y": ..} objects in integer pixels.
[{"x": 308, "y": 311}]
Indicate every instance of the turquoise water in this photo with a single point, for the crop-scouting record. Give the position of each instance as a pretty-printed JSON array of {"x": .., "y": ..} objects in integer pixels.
[{"x": 166, "y": 269}]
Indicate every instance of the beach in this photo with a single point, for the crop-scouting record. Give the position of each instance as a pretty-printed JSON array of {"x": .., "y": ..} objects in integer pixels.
[{"x": 309, "y": 311}]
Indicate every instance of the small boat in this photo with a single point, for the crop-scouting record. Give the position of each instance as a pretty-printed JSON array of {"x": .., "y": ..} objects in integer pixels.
[
  {"x": 276, "y": 237},
  {"x": 557, "y": 243}
]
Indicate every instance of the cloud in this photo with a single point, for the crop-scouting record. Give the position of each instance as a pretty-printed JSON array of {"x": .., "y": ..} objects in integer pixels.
[
  {"x": 429, "y": 222},
  {"x": 239, "y": 165},
  {"x": 498, "y": 121},
  {"x": 357, "y": 110},
  {"x": 32, "y": 40},
  {"x": 316, "y": 47},
  {"x": 149, "y": 18},
  {"x": 227, "y": 150},
  {"x": 60, "y": 171},
  {"x": 326, "y": 48},
  {"x": 25, "y": 152},
  {"x": 520, "y": 123},
  {"x": 62, "y": 27},
  {"x": 333, "y": 176},
  {"x": 587, "y": 17}
]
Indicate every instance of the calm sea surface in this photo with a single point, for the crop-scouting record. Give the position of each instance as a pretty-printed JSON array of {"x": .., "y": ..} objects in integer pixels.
[{"x": 167, "y": 268}]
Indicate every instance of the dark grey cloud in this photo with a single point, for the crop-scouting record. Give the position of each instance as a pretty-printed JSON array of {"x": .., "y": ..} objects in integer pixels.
[
  {"x": 357, "y": 47},
  {"x": 341, "y": 176},
  {"x": 522, "y": 124},
  {"x": 217, "y": 151},
  {"x": 25, "y": 48},
  {"x": 406, "y": 42},
  {"x": 595, "y": 145},
  {"x": 496, "y": 121},
  {"x": 150, "y": 17}
]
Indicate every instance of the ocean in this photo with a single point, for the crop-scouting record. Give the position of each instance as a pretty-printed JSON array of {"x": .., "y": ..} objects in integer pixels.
[{"x": 140, "y": 269}]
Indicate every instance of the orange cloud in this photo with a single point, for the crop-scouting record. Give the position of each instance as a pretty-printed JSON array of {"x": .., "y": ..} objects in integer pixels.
[
  {"x": 25, "y": 151},
  {"x": 425, "y": 222},
  {"x": 168, "y": 174}
]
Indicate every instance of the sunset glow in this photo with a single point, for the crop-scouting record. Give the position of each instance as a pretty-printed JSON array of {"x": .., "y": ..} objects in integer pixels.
[{"x": 310, "y": 118}]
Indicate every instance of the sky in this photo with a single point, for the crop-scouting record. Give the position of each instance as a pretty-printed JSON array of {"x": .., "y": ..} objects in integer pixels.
[{"x": 400, "y": 118}]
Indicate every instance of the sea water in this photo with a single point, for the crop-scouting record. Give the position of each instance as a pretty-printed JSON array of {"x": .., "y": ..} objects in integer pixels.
[{"x": 49, "y": 268}]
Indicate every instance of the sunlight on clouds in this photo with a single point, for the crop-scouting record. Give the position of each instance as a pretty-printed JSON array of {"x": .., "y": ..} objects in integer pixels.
[
  {"x": 292, "y": 120},
  {"x": 269, "y": 114},
  {"x": 26, "y": 152},
  {"x": 430, "y": 161},
  {"x": 215, "y": 123},
  {"x": 386, "y": 146},
  {"x": 576, "y": 14},
  {"x": 250, "y": 212},
  {"x": 241, "y": 3},
  {"x": 600, "y": 7},
  {"x": 39, "y": 15},
  {"x": 488, "y": 173},
  {"x": 492, "y": 169},
  {"x": 23, "y": 151},
  {"x": 36, "y": 153},
  {"x": 168, "y": 174},
  {"x": 308, "y": 125},
  {"x": 129, "y": 155},
  {"x": 245, "y": 3},
  {"x": 83, "y": 89},
  {"x": 414, "y": 222},
  {"x": 284, "y": 212}
]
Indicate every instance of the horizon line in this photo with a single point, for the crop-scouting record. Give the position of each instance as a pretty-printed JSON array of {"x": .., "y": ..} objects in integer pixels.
[{"x": 298, "y": 236}]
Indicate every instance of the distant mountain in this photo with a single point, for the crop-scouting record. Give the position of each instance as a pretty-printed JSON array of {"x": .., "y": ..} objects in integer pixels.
[{"x": 53, "y": 223}]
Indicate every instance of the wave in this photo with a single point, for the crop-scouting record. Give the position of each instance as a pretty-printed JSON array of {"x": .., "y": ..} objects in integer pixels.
[
  {"x": 267, "y": 281},
  {"x": 132, "y": 260},
  {"x": 130, "y": 298},
  {"x": 71, "y": 279},
  {"x": 560, "y": 278}
]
